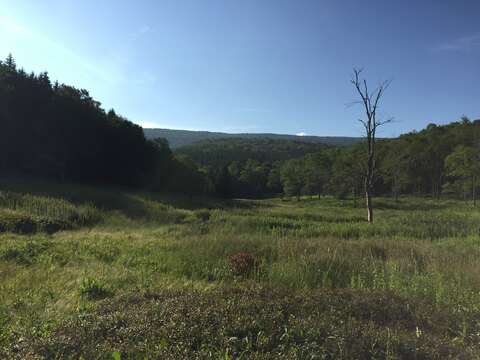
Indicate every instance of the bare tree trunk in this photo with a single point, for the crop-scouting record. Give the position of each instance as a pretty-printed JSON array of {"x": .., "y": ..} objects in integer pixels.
[
  {"x": 368, "y": 182},
  {"x": 369, "y": 175},
  {"x": 370, "y": 101}
]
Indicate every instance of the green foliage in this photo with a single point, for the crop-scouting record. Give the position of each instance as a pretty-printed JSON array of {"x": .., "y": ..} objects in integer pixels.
[
  {"x": 24, "y": 253},
  {"x": 50, "y": 208},
  {"x": 414, "y": 163},
  {"x": 317, "y": 173},
  {"x": 246, "y": 167},
  {"x": 202, "y": 215},
  {"x": 59, "y": 132},
  {"x": 255, "y": 175},
  {"x": 25, "y": 213},
  {"x": 13, "y": 221},
  {"x": 463, "y": 168},
  {"x": 92, "y": 289},
  {"x": 292, "y": 178},
  {"x": 222, "y": 152}
]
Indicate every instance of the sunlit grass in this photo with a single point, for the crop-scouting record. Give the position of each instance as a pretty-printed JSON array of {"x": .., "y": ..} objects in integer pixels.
[{"x": 419, "y": 249}]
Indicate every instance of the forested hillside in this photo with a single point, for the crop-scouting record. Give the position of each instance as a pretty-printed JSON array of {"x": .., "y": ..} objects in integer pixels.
[
  {"x": 437, "y": 160},
  {"x": 60, "y": 132},
  {"x": 178, "y": 138},
  {"x": 223, "y": 151}
]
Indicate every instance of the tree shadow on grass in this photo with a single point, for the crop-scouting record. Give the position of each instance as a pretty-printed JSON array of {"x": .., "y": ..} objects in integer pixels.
[{"x": 131, "y": 202}]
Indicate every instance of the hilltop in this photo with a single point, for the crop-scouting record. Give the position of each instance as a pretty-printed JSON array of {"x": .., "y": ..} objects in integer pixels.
[
  {"x": 179, "y": 138},
  {"x": 221, "y": 152}
]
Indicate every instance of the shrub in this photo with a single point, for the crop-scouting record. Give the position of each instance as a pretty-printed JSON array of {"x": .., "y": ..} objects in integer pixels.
[
  {"x": 202, "y": 215},
  {"x": 242, "y": 263},
  {"x": 51, "y": 226},
  {"x": 92, "y": 289},
  {"x": 16, "y": 222},
  {"x": 22, "y": 223}
]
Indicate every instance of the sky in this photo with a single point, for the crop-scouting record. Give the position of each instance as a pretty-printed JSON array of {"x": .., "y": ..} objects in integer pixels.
[{"x": 280, "y": 66}]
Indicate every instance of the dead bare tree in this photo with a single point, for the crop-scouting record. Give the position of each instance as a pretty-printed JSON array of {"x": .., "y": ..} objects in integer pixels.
[{"x": 370, "y": 101}]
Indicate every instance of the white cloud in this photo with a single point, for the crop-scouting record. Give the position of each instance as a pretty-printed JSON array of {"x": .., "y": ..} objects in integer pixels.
[
  {"x": 148, "y": 124},
  {"x": 465, "y": 43},
  {"x": 301, "y": 134}
]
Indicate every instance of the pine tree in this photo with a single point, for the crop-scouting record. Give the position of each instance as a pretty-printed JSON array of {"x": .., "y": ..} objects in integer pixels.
[{"x": 10, "y": 62}]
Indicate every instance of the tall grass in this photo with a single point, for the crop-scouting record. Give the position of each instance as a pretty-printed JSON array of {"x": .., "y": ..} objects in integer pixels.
[
  {"x": 425, "y": 252},
  {"x": 49, "y": 208}
]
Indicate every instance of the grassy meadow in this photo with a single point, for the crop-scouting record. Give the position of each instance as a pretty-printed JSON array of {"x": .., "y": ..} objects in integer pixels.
[{"x": 90, "y": 273}]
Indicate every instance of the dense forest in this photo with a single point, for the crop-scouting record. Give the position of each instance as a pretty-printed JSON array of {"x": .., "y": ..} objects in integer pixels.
[
  {"x": 222, "y": 152},
  {"x": 61, "y": 132},
  {"x": 437, "y": 160}
]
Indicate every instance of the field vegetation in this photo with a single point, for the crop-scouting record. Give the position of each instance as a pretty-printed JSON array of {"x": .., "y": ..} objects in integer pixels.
[{"x": 133, "y": 274}]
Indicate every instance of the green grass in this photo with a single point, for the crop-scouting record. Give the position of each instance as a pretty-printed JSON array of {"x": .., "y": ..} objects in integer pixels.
[
  {"x": 26, "y": 213},
  {"x": 148, "y": 275}
]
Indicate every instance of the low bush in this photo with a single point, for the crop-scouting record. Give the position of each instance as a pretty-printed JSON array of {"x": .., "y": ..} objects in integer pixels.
[
  {"x": 202, "y": 215},
  {"x": 92, "y": 289},
  {"x": 242, "y": 264},
  {"x": 16, "y": 222}
]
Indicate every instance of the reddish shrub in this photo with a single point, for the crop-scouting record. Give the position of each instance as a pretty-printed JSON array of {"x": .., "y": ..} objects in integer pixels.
[{"x": 242, "y": 263}]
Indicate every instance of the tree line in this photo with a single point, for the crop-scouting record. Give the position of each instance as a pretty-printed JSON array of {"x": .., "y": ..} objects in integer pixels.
[
  {"x": 439, "y": 160},
  {"x": 58, "y": 131}
]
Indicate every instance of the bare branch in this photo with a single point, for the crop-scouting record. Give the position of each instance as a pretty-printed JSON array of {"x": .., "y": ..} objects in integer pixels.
[
  {"x": 353, "y": 103},
  {"x": 380, "y": 90},
  {"x": 364, "y": 123},
  {"x": 384, "y": 122},
  {"x": 363, "y": 93}
]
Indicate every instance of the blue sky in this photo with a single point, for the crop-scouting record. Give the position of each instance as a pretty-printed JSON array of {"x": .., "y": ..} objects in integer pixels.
[{"x": 255, "y": 65}]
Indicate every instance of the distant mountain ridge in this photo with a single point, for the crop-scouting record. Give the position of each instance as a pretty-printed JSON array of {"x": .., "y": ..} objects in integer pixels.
[
  {"x": 179, "y": 138},
  {"x": 222, "y": 152}
]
